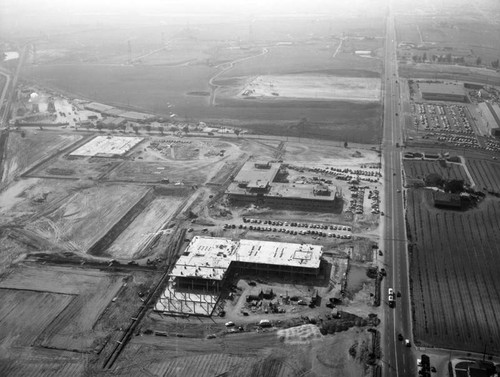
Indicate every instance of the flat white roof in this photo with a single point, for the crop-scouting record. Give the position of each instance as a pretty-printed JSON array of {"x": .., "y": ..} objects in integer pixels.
[
  {"x": 209, "y": 257},
  {"x": 107, "y": 146}
]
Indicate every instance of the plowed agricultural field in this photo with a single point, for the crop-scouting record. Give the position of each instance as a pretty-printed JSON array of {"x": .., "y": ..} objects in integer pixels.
[
  {"x": 454, "y": 274},
  {"x": 486, "y": 174},
  {"x": 419, "y": 169}
]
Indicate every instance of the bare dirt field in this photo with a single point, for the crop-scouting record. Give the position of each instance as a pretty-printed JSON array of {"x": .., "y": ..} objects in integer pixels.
[
  {"x": 312, "y": 87},
  {"x": 261, "y": 353},
  {"x": 75, "y": 298},
  {"x": 86, "y": 216},
  {"x": 452, "y": 259},
  {"x": 25, "y": 151},
  {"x": 145, "y": 227}
]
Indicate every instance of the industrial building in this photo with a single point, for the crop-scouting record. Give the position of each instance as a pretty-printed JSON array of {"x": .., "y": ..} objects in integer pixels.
[
  {"x": 107, "y": 146},
  {"x": 491, "y": 115},
  {"x": 208, "y": 261},
  {"x": 442, "y": 92},
  {"x": 258, "y": 183}
]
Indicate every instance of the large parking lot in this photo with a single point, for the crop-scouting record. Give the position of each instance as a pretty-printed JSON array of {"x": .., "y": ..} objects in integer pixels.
[{"x": 450, "y": 124}]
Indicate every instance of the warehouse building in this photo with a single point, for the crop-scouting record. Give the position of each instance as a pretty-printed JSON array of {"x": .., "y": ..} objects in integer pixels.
[
  {"x": 491, "y": 115},
  {"x": 442, "y": 92},
  {"x": 207, "y": 262},
  {"x": 257, "y": 183}
]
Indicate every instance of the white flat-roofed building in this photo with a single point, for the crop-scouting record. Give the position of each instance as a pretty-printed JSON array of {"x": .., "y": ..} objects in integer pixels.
[
  {"x": 107, "y": 146},
  {"x": 256, "y": 183},
  {"x": 207, "y": 260}
]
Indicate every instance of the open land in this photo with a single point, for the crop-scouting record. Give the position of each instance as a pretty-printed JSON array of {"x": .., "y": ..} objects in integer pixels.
[
  {"x": 313, "y": 87},
  {"x": 451, "y": 257}
]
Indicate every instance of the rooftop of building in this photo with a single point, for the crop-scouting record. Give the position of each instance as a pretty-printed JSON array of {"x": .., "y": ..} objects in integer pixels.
[
  {"x": 257, "y": 174},
  {"x": 286, "y": 190},
  {"x": 209, "y": 257},
  {"x": 441, "y": 88}
]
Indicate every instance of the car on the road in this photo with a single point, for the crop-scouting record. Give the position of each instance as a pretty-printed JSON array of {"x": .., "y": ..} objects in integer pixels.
[
  {"x": 407, "y": 343},
  {"x": 391, "y": 300},
  {"x": 390, "y": 292},
  {"x": 398, "y": 190},
  {"x": 398, "y": 294},
  {"x": 400, "y": 337}
]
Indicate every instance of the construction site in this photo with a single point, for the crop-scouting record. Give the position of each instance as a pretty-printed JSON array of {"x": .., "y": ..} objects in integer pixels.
[{"x": 155, "y": 218}]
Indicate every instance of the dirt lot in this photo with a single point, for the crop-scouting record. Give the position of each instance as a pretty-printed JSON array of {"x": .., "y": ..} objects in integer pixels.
[
  {"x": 144, "y": 229},
  {"x": 261, "y": 353},
  {"x": 34, "y": 146},
  {"x": 85, "y": 216},
  {"x": 312, "y": 87},
  {"x": 76, "y": 298}
]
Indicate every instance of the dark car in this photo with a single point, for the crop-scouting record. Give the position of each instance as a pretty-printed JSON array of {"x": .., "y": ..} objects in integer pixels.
[{"x": 400, "y": 337}]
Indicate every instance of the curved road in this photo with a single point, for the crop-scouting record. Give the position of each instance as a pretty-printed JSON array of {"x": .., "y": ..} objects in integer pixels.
[{"x": 397, "y": 359}]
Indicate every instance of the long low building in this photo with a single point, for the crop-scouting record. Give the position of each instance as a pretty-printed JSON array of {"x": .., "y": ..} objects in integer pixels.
[
  {"x": 256, "y": 183},
  {"x": 208, "y": 261},
  {"x": 442, "y": 92}
]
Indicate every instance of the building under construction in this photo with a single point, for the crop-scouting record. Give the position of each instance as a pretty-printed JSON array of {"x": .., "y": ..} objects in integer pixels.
[
  {"x": 208, "y": 262},
  {"x": 258, "y": 183}
]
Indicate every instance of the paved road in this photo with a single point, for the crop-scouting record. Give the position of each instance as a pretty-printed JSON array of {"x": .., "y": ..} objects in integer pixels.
[
  {"x": 12, "y": 89},
  {"x": 398, "y": 360}
]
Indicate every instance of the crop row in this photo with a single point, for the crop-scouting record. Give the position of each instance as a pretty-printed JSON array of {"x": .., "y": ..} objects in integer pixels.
[
  {"x": 486, "y": 174},
  {"x": 421, "y": 169},
  {"x": 453, "y": 276}
]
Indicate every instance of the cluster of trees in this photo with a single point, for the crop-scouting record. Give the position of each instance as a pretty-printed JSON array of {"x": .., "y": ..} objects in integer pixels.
[{"x": 449, "y": 58}]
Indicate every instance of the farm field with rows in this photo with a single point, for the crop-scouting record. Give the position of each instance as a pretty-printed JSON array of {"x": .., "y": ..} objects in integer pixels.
[
  {"x": 419, "y": 169},
  {"x": 453, "y": 256},
  {"x": 485, "y": 173}
]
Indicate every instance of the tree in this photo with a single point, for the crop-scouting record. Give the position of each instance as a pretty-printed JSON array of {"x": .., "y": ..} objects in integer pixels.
[
  {"x": 478, "y": 60},
  {"x": 448, "y": 57},
  {"x": 496, "y": 63},
  {"x": 433, "y": 180},
  {"x": 424, "y": 57},
  {"x": 160, "y": 128},
  {"x": 148, "y": 128},
  {"x": 237, "y": 132},
  {"x": 99, "y": 125},
  {"x": 454, "y": 186},
  {"x": 135, "y": 128},
  {"x": 185, "y": 129},
  {"x": 345, "y": 144}
]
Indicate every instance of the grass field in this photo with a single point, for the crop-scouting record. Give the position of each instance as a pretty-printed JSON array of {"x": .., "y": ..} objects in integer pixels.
[{"x": 453, "y": 275}]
